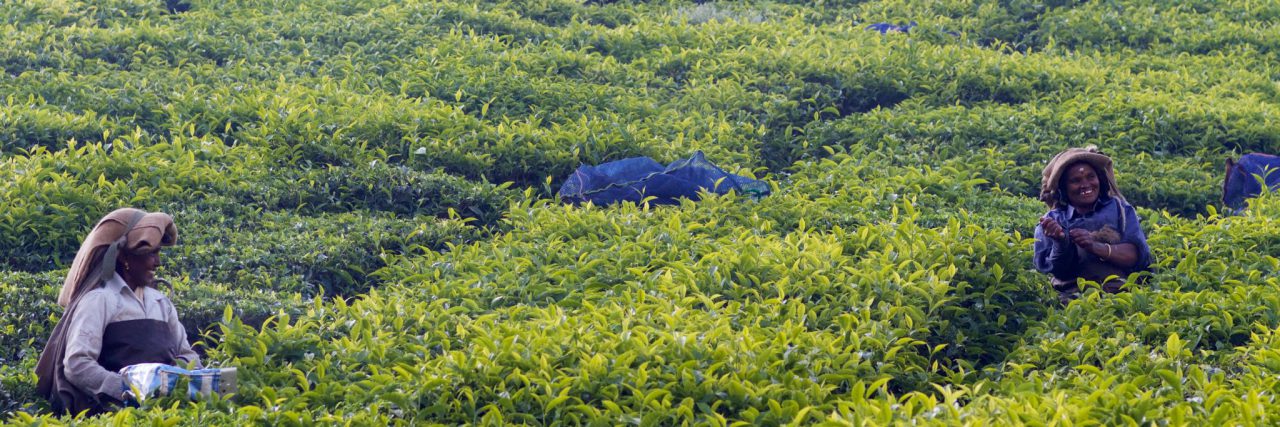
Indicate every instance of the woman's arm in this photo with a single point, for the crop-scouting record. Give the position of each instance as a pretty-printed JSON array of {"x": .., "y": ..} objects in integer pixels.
[
  {"x": 1053, "y": 255},
  {"x": 1133, "y": 235},
  {"x": 1123, "y": 255},
  {"x": 1130, "y": 253},
  {"x": 186, "y": 355},
  {"x": 84, "y": 344}
]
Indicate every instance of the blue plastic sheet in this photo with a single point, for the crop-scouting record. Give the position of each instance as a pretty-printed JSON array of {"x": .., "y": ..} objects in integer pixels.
[
  {"x": 1242, "y": 180},
  {"x": 638, "y": 178},
  {"x": 886, "y": 28}
]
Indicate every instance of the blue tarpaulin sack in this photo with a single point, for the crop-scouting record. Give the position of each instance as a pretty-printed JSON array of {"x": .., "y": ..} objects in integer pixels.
[
  {"x": 886, "y": 28},
  {"x": 637, "y": 178}
]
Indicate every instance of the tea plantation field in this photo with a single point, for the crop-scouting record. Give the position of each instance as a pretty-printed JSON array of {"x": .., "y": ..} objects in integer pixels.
[{"x": 369, "y": 231}]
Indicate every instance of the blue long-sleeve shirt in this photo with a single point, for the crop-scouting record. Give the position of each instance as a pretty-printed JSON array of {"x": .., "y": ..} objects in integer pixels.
[{"x": 1064, "y": 260}]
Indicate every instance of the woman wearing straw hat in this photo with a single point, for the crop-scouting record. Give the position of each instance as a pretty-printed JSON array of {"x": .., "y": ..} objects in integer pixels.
[
  {"x": 1090, "y": 231},
  {"x": 114, "y": 315}
]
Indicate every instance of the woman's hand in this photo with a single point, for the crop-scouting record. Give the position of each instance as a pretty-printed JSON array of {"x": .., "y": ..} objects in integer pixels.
[
  {"x": 1082, "y": 238},
  {"x": 1051, "y": 228}
]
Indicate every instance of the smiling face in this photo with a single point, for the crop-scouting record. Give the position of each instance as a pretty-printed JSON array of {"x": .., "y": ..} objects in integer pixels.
[
  {"x": 139, "y": 269},
  {"x": 1082, "y": 185}
]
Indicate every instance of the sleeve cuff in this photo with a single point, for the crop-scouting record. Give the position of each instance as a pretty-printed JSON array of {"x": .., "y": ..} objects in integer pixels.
[
  {"x": 113, "y": 385},
  {"x": 194, "y": 362}
]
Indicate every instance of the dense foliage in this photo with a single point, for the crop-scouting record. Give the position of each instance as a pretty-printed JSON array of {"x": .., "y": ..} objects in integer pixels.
[{"x": 363, "y": 191}]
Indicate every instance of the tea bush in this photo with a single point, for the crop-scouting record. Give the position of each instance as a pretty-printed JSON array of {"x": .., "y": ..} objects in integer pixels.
[
  {"x": 30, "y": 302},
  {"x": 381, "y": 187},
  {"x": 51, "y": 199},
  {"x": 333, "y": 254},
  {"x": 364, "y": 196}
]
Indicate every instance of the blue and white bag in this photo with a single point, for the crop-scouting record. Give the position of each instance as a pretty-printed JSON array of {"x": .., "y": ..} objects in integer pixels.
[{"x": 157, "y": 379}]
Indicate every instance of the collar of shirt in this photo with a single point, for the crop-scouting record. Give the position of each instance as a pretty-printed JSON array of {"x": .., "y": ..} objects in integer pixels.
[{"x": 117, "y": 284}]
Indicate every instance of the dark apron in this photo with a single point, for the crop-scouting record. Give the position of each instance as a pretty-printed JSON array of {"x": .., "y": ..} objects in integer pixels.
[
  {"x": 1093, "y": 269},
  {"x": 137, "y": 341}
]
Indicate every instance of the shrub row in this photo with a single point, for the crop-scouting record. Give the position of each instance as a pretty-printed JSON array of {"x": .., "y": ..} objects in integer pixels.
[
  {"x": 52, "y": 199},
  {"x": 331, "y": 254},
  {"x": 764, "y": 93}
]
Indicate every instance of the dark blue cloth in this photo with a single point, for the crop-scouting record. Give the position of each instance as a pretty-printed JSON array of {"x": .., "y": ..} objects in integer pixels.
[
  {"x": 637, "y": 178},
  {"x": 1240, "y": 182},
  {"x": 885, "y": 27},
  {"x": 1061, "y": 257}
]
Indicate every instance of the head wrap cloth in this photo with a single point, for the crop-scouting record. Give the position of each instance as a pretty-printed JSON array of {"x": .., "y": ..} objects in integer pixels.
[
  {"x": 1057, "y": 167},
  {"x": 130, "y": 230}
]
